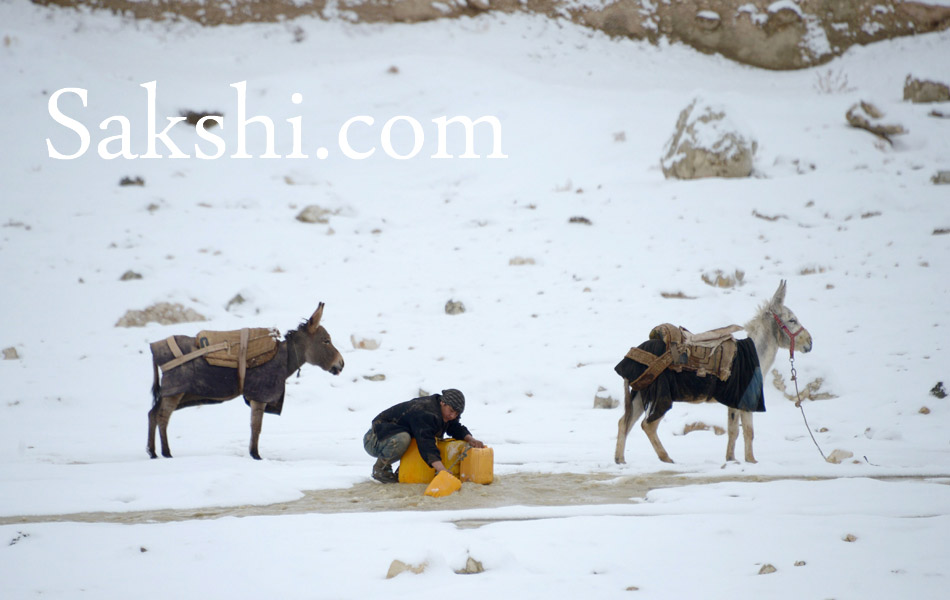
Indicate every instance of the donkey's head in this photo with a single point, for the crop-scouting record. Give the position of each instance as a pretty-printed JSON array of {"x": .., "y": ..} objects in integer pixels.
[
  {"x": 790, "y": 330},
  {"x": 319, "y": 350}
]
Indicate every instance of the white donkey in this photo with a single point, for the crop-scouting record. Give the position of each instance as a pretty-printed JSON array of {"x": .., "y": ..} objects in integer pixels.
[{"x": 773, "y": 327}]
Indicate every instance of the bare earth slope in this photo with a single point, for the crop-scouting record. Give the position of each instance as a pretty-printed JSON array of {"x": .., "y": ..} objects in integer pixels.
[{"x": 761, "y": 33}]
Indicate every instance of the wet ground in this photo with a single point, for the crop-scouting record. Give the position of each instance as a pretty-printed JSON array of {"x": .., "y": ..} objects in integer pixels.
[{"x": 516, "y": 489}]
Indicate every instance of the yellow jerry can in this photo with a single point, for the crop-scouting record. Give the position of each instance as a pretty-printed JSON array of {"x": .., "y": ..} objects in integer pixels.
[
  {"x": 478, "y": 466},
  {"x": 412, "y": 469},
  {"x": 443, "y": 484}
]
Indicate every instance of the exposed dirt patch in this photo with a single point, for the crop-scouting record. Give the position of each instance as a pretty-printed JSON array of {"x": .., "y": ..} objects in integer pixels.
[
  {"x": 518, "y": 489},
  {"x": 762, "y": 33}
]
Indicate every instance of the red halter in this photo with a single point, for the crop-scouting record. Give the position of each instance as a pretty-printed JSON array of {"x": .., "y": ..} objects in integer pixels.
[{"x": 791, "y": 336}]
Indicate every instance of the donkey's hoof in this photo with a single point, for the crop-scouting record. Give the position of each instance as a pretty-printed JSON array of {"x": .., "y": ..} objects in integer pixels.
[
  {"x": 152, "y": 455},
  {"x": 167, "y": 453},
  {"x": 255, "y": 455},
  {"x": 620, "y": 461}
]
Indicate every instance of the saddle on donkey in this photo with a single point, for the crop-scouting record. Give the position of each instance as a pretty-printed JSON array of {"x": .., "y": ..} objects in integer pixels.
[
  {"x": 711, "y": 352},
  {"x": 240, "y": 349}
]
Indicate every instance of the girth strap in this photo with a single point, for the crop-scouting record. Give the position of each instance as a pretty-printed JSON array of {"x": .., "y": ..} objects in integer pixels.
[
  {"x": 655, "y": 366},
  {"x": 242, "y": 360}
]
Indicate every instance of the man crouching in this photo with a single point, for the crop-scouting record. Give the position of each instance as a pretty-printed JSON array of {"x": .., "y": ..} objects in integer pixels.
[{"x": 424, "y": 419}]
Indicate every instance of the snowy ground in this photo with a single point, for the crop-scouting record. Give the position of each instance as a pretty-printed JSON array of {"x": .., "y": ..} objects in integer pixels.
[{"x": 854, "y": 236}]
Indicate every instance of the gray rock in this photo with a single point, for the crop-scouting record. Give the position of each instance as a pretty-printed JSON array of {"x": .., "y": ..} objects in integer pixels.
[
  {"x": 162, "y": 313},
  {"x": 706, "y": 143},
  {"x": 602, "y": 399},
  {"x": 314, "y": 214},
  {"x": 921, "y": 91},
  {"x": 454, "y": 307}
]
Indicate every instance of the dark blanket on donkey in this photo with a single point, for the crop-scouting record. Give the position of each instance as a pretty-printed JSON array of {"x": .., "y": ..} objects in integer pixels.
[
  {"x": 213, "y": 385},
  {"x": 743, "y": 389}
]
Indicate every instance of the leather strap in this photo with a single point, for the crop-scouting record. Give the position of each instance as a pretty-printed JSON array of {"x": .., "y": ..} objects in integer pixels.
[
  {"x": 242, "y": 360},
  {"x": 182, "y": 359},
  {"x": 173, "y": 345},
  {"x": 655, "y": 366}
]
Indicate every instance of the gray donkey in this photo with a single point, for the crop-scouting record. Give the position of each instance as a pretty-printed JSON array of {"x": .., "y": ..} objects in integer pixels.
[
  {"x": 197, "y": 381},
  {"x": 774, "y": 326}
]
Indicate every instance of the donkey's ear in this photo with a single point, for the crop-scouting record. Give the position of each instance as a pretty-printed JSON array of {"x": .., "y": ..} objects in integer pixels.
[
  {"x": 778, "y": 300},
  {"x": 314, "y": 320}
]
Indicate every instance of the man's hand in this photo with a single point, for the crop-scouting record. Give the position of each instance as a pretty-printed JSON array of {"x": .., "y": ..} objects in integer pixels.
[
  {"x": 473, "y": 442},
  {"x": 438, "y": 466}
]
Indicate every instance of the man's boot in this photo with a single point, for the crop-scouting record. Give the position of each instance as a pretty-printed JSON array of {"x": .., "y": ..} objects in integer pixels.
[{"x": 383, "y": 471}]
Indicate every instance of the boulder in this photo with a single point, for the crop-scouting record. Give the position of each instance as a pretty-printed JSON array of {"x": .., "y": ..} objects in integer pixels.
[
  {"x": 603, "y": 399},
  {"x": 163, "y": 313},
  {"x": 454, "y": 307},
  {"x": 921, "y": 91},
  {"x": 706, "y": 143}
]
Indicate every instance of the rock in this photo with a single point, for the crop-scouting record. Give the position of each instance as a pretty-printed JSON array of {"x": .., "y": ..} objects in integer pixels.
[
  {"x": 700, "y": 426},
  {"x": 130, "y": 275},
  {"x": 924, "y": 410},
  {"x": 192, "y": 117},
  {"x": 604, "y": 400},
  {"x": 376, "y": 377},
  {"x": 850, "y": 538},
  {"x": 800, "y": 563},
  {"x": 767, "y": 569},
  {"x": 520, "y": 261},
  {"x": 922, "y": 91},
  {"x": 938, "y": 391},
  {"x": 364, "y": 343},
  {"x": 236, "y": 301},
  {"x": 314, "y": 214},
  {"x": 720, "y": 279},
  {"x": 838, "y": 456},
  {"x": 767, "y": 34},
  {"x": 398, "y": 567},
  {"x": 132, "y": 181},
  {"x": 10, "y": 354},
  {"x": 580, "y": 220},
  {"x": 865, "y": 115},
  {"x": 472, "y": 567},
  {"x": 706, "y": 143},
  {"x": 162, "y": 313},
  {"x": 453, "y": 307},
  {"x": 941, "y": 178}
]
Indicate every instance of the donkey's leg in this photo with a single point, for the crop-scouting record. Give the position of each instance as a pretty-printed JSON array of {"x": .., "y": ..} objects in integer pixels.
[
  {"x": 152, "y": 424},
  {"x": 257, "y": 419},
  {"x": 632, "y": 409},
  {"x": 165, "y": 410},
  {"x": 748, "y": 433},
  {"x": 650, "y": 429},
  {"x": 733, "y": 429},
  {"x": 153, "y": 412}
]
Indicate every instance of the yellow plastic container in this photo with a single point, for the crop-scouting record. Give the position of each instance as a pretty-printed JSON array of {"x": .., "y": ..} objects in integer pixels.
[
  {"x": 443, "y": 484},
  {"x": 412, "y": 469},
  {"x": 478, "y": 466}
]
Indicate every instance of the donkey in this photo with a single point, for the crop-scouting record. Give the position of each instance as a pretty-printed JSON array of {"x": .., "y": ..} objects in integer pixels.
[
  {"x": 197, "y": 382},
  {"x": 773, "y": 327}
]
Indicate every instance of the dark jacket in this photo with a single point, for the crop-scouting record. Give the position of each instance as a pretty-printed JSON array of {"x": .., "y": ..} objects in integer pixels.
[{"x": 422, "y": 419}]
